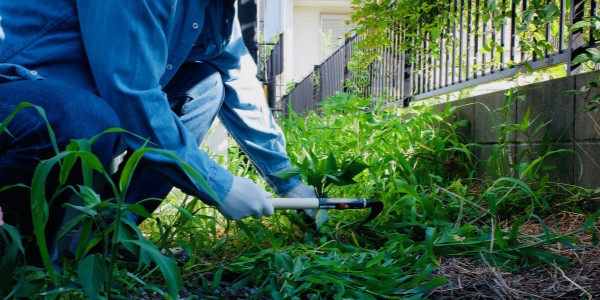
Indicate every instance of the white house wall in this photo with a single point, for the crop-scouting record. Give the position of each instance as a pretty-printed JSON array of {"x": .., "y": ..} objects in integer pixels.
[
  {"x": 300, "y": 21},
  {"x": 307, "y": 37}
]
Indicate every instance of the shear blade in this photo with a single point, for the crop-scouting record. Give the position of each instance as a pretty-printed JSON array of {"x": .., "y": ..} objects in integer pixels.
[{"x": 376, "y": 209}]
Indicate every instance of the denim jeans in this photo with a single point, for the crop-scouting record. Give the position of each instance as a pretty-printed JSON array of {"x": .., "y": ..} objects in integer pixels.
[
  {"x": 196, "y": 95},
  {"x": 72, "y": 113}
]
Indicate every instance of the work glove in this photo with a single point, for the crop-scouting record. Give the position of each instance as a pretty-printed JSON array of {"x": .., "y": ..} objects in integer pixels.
[
  {"x": 246, "y": 199},
  {"x": 301, "y": 191},
  {"x": 304, "y": 191}
]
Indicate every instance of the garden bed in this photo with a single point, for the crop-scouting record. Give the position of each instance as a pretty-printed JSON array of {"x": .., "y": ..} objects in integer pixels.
[{"x": 474, "y": 279}]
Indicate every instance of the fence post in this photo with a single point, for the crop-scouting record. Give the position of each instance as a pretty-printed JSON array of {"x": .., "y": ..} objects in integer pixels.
[
  {"x": 317, "y": 80},
  {"x": 576, "y": 37}
]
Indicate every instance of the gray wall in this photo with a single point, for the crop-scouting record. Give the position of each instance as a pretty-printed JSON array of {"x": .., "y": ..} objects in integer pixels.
[{"x": 569, "y": 127}]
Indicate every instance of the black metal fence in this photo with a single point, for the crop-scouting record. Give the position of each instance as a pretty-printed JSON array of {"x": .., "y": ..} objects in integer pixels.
[
  {"x": 272, "y": 70},
  {"x": 326, "y": 79},
  {"x": 472, "y": 51}
]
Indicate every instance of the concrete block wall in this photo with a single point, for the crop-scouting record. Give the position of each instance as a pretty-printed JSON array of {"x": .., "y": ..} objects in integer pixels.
[{"x": 569, "y": 127}]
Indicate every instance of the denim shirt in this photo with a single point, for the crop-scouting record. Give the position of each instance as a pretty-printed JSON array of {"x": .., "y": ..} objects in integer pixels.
[{"x": 126, "y": 52}]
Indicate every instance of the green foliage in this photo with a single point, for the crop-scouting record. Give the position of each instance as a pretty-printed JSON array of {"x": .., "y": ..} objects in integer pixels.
[
  {"x": 422, "y": 25},
  {"x": 414, "y": 160},
  {"x": 104, "y": 231},
  {"x": 423, "y": 169}
]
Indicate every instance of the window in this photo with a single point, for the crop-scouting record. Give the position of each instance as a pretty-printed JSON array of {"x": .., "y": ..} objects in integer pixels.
[{"x": 333, "y": 31}]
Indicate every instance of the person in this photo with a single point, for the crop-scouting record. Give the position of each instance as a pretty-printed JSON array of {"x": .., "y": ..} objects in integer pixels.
[{"x": 160, "y": 69}]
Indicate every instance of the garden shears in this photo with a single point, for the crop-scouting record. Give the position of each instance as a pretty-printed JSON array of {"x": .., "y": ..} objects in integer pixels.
[{"x": 330, "y": 203}]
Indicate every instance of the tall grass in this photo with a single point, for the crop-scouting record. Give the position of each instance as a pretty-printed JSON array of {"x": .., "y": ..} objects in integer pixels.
[{"x": 414, "y": 160}]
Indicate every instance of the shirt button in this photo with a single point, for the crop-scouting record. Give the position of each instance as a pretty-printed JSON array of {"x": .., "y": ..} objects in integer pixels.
[
  {"x": 33, "y": 72},
  {"x": 169, "y": 67},
  {"x": 195, "y": 25},
  {"x": 226, "y": 20}
]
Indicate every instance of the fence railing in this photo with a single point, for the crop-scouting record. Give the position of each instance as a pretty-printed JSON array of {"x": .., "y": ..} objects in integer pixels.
[
  {"x": 472, "y": 51},
  {"x": 326, "y": 79},
  {"x": 273, "y": 70}
]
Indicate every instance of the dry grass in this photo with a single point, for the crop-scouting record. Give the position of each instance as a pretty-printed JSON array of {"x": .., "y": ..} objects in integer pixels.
[{"x": 476, "y": 279}]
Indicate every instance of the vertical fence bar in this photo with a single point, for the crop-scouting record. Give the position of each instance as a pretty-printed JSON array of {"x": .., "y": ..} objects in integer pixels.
[
  {"x": 454, "y": 39},
  {"x": 447, "y": 51},
  {"x": 592, "y": 13},
  {"x": 476, "y": 39},
  {"x": 503, "y": 41},
  {"x": 513, "y": 37},
  {"x": 440, "y": 61},
  {"x": 433, "y": 64},
  {"x": 413, "y": 90},
  {"x": 561, "y": 29},
  {"x": 493, "y": 38},
  {"x": 402, "y": 64},
  {"x": 524, "y": 8},
  {"x": 462, "y": 30},
  {"x": 427, "y": 65},
  {"x": 547, "y": 36},
  {"x": 468, "y": 55},
  {"x": 576, "y": 37}
]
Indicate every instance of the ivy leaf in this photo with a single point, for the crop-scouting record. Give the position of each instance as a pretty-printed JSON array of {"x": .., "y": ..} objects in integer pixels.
[
  {"x": 595, "y": 54},
  {"x": 580, "y": 24},
  {"x": 550, "y": 11},
  {"x": 581, "y": 58}
]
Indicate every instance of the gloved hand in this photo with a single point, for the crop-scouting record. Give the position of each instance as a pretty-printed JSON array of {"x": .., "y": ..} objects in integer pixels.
[
  {"x": 304, "y": 191},
  {"x": 245, "y": 199},
  {"x": 301, "y": 191}
]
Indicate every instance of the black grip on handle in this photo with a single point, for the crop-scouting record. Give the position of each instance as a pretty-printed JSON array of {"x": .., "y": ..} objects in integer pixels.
[{"x": 339, "y": 203}]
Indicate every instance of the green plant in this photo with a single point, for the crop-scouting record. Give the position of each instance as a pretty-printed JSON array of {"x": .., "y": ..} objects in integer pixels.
[
  {"x": 414, "y": 160},
  {"x": 101, "y": 222},
  {"x": 421, "y": 27}
]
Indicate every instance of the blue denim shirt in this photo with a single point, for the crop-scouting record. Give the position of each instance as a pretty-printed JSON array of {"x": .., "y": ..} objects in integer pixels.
[{"x": 126, "y": 52}]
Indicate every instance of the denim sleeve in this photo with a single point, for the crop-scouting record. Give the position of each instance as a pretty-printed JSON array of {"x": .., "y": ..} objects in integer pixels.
[
  {"x": 127, "y": 49},
  {"x": 247, "y": 116}
]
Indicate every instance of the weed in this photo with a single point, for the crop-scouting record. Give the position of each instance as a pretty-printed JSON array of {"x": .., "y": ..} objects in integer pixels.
[{"x": 414, "y": 160}]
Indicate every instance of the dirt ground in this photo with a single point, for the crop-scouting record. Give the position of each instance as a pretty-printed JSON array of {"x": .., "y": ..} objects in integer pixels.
[{"x": 475, "y": 279}]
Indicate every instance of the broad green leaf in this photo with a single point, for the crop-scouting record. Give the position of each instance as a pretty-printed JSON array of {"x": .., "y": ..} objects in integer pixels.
[
  {"x": 39, "y": 207},
  {"x": 321, "y": 217},
  {"x": 14, "y": 235},
  {"x": 404, "y": 187},
  {"x": 581, "y": 58},
  {"x": 85, "y": 233},
  {"x": 331, "y": 165},
  {"x": 354, "y": 168},
  {"x": 91, "y": 272},
  {"x": 579, "y": 25},
  {"x": 167, "y": 266},
  {"x": 138, "y": 210}
]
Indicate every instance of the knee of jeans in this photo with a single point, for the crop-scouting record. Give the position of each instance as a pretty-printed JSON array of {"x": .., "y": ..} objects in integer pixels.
[
  {"x": 78, "y": 114},
  {"x": 210, "y": 89}
]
